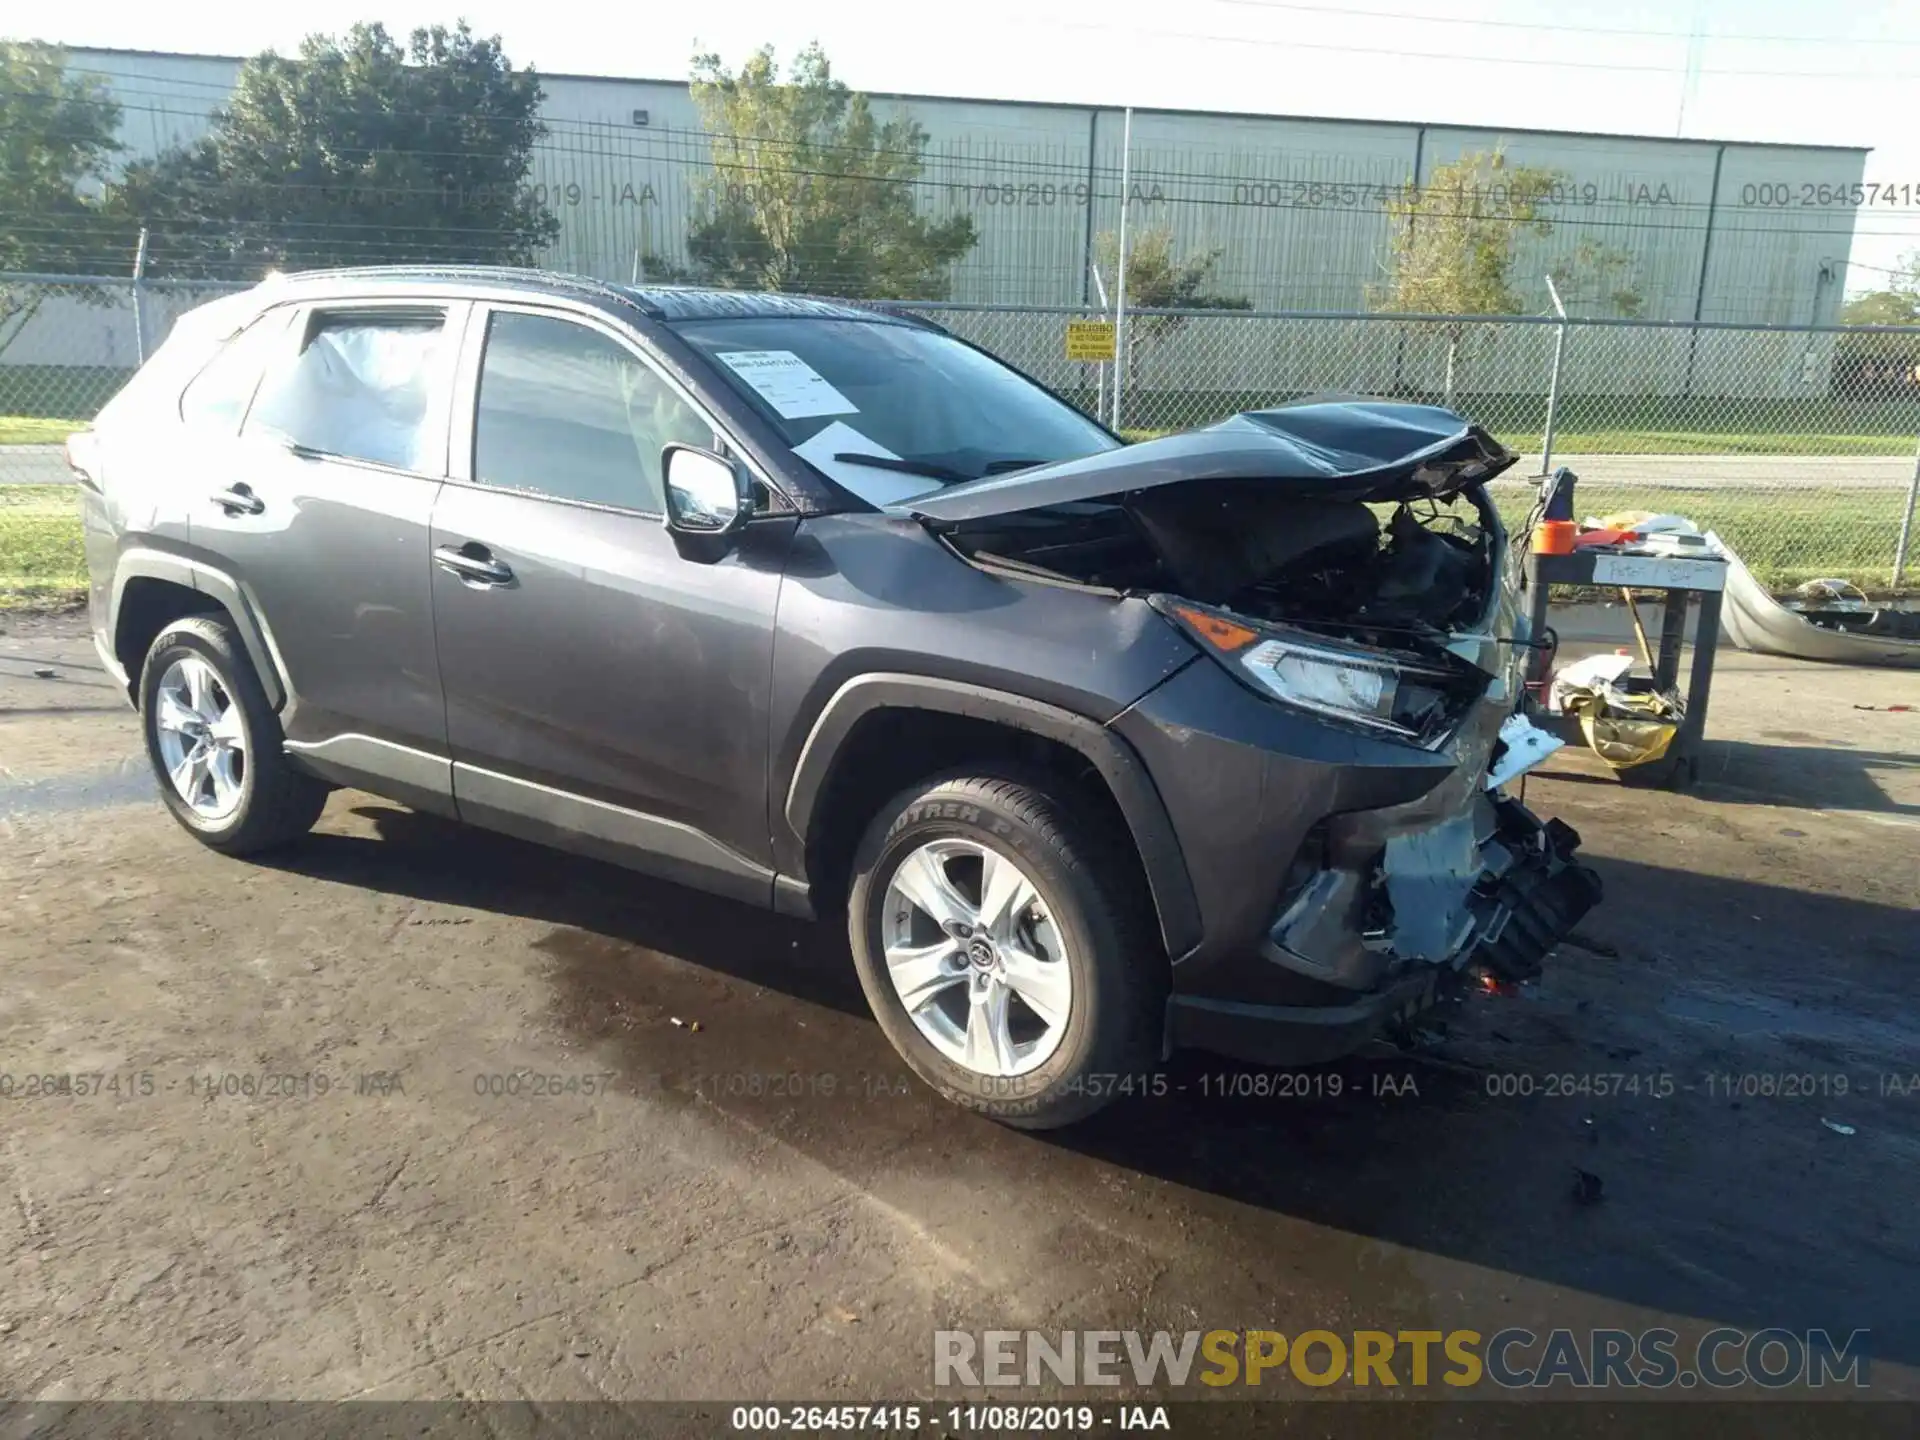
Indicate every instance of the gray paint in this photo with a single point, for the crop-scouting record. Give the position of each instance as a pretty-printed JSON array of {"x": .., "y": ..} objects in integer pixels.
[
  {"x": 599, "y": 685},
  {"x": 420, "y": 778},
  {"x": 1145, "y": 813}
]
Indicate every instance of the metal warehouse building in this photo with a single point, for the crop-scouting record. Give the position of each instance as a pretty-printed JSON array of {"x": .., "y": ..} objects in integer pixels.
[{"x": 1718, "y": 231}]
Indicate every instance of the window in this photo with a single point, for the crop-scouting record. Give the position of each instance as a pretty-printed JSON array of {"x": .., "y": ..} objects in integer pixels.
[
  {"x": 569, "y": 412},
  {"x": 359, "y": 388},
  {"x": 934, "y": 410},
  {"x": 217, "y": 397}
]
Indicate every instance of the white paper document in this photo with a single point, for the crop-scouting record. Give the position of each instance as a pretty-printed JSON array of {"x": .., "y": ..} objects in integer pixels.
[
  {"x": 786, "y": 382},
  {"x": 876, "y": 487}
]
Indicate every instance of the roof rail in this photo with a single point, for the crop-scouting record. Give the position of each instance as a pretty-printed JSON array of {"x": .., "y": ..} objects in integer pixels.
[{"x": 520, "y": 274}]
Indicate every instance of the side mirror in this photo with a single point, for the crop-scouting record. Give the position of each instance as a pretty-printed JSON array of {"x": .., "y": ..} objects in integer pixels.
[{"x": 706, "y": 496}]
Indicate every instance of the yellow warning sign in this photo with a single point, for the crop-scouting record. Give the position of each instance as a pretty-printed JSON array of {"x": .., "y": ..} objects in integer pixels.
[{"x": 1090, "y": 340}]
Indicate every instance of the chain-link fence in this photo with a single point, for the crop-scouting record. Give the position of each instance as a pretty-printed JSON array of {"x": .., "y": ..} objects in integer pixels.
[
  {"x": 65, "y": 346},
  {"x": 1800, "y": 446}
]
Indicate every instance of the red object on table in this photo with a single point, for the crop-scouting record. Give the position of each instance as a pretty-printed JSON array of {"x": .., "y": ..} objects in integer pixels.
[{"x": 1591, "y": 539}]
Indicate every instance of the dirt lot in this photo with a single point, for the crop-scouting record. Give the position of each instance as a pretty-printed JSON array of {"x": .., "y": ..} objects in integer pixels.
[{"x": 682, "y": 1232}]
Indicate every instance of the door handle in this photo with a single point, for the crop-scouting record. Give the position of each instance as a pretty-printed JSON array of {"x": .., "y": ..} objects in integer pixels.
[
  {"x": 474, "y": 562},
  {"x": 238, "y": 499}
]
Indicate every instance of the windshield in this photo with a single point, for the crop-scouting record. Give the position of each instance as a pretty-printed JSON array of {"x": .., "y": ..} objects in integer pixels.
[{"x": 890, "y": 411}]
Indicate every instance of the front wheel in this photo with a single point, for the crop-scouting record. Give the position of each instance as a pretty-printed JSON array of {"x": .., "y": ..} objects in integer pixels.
[{"x": 1004, "y": 952}]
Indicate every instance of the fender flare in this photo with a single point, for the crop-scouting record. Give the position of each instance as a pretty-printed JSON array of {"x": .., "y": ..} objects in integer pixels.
[
  {"x": 216, "y": 585},
  {"x": 1154, "y": 838}
]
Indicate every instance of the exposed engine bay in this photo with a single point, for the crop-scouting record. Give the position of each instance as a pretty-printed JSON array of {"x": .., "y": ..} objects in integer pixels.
[
  {"x": 1341, "y": 558},
  {"x": 1339, "y": 555},
  {"x": 1365, "y": 520},
  {"x": 1391, "y": 575}
]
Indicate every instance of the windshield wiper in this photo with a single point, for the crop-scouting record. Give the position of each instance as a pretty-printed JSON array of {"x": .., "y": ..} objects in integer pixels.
[
  {"x": 905, "y": 467},
  {"x": 936, "y": 472}
]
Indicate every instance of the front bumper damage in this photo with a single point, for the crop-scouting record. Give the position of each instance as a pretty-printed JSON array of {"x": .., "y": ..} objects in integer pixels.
[{"x": 1387, "y": 908}]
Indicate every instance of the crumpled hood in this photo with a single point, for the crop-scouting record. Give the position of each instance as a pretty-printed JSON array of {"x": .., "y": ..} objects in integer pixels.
[{"x": 1332, "y": 449}]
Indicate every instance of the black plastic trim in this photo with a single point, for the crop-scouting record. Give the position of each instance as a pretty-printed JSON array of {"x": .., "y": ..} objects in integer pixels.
[{"x": 1146, "y": 814}]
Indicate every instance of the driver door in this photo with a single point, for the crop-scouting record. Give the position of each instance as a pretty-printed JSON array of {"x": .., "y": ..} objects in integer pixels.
[{"x": 602, "y": 692}]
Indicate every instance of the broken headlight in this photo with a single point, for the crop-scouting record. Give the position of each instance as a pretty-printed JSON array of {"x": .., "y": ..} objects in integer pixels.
[
  {"x": 1327, "y": 682},
  {"x": 1379, "y": 690}
]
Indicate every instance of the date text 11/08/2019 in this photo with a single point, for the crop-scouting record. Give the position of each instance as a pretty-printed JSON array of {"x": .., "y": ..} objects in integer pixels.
[{"x": 948, "y": 1419}]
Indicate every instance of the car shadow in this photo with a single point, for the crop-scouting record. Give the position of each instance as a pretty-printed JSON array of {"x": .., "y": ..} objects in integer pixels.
[
  {"x": 1793, "y": 774},
  {"x": 1742, "y": 1213},
  {"x": 1818, "y": 777}
]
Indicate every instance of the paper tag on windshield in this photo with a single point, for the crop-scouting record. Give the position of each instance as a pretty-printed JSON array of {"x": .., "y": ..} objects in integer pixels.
[
  {"x": 786, "y": 382},
  {"x": 871, "y": 484}
]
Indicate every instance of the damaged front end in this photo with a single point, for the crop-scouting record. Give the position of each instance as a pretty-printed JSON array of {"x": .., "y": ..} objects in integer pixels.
[
  {"x": 1341, "y": 560},
  {"x": 1464, "y": 877}
]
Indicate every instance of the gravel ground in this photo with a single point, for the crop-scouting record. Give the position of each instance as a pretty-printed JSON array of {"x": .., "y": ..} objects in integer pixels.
[{"x": 769, "y": 1206}]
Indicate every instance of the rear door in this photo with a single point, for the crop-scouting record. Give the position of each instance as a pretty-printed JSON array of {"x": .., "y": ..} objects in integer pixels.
[
  {"x": 171, "y": 437},
  {"x": 602, "y": 691},
  {"x": 323, "y": 520}
]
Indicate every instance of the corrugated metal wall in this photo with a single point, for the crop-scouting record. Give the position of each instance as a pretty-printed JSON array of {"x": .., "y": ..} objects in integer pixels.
[{"x": 1740, "y": 233}]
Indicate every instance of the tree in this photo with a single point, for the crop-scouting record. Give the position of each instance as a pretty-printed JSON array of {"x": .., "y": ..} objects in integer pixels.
[
  {"x": 1454, "y": 241},
  {"x": 1883, "y": 307},
  {"x": 1596, "y": 280},
  {"x": 359, "y": 150},
  {"x": 1160, "y": 278},
  {"x": 56, "y": 139},
  {"x": 809, "y": 191},
  {"x": 1881, "y": 363}
]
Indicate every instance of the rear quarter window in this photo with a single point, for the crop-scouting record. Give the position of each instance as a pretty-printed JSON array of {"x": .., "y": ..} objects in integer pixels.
[
  {"x": 196, "y": 339},
  {"x": 217, "y": 397}
]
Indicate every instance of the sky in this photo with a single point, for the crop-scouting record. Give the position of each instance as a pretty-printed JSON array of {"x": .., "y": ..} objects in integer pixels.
[{"x": 1840, "y": 72}]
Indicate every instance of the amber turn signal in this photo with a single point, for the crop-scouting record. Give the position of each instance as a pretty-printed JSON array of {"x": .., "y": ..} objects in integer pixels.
[{"x": 1217, "y": 632}]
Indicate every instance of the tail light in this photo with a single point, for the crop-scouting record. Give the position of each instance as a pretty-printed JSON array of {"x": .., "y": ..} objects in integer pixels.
[{"x": 82, "y": 451}]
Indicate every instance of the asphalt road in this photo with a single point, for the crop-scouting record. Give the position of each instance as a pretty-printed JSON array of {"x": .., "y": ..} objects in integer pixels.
[{"x": 769, "y": 1206}]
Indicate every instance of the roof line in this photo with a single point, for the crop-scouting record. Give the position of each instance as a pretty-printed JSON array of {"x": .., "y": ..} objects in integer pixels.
[
  {"x": 652, "y": 301},
  {"x": 1084, "y": 108}
]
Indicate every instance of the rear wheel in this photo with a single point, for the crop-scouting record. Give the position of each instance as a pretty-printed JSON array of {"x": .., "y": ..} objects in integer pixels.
[
  {"x": 1004, "y": 951},
  {"x": 215, "y": 743}
]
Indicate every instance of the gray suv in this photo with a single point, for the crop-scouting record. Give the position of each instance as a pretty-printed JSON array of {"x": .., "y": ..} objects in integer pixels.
[{"x": 1102, "y": 749}]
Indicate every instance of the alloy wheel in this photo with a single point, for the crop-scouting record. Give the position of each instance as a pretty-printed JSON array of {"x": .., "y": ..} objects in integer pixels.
[
  {"x": 976, "y": 958},
  {"x": 202, "y": 738}
]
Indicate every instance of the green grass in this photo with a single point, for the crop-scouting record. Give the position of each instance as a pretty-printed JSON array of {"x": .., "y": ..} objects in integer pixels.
[
  {"x": 1617, "y": 441},
  {"x": 36, "y": 429},
  {"x": 1708, "y": 442},
  {"x": 58, "y": 391},
  {"x": 1614, "y": 424},
  {"x": 42, "y": 564},
  {"x": 1784, "y": 538}
]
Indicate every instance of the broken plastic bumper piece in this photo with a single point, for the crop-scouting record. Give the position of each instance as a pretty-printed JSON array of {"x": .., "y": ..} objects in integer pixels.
[
  {"x": 1522, "y": 746},
  {"x": 1493, "y": 887}
]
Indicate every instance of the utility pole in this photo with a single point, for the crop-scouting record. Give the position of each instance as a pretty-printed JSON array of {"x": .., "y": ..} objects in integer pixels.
[
  {"x": 139, "y": 319},
  {"x": 1120, "y": 281}
]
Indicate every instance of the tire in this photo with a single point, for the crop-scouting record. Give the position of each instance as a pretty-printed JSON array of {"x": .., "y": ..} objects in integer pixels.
[
  {"x": 239, "y": 805},
  {"x": 1087, "y": 915}
]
